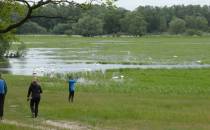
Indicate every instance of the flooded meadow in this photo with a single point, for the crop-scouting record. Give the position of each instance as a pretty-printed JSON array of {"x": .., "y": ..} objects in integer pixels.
[{"x": 62, "y": 54}]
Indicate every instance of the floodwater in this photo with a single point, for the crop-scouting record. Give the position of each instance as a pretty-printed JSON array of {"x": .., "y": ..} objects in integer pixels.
[{"x": 43, "y": 61}]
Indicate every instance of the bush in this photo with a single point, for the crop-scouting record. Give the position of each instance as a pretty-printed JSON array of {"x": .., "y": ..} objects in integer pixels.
[
  {"x": 88, "y": 26},
  {"x": 177, "y": 26},
  {"x": 61, "y": 28},
  {"x": 69, "y": 32},
  {"x": 192, "y": 32}
]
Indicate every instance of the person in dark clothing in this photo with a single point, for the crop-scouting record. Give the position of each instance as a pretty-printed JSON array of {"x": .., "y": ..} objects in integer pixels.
[
  {"x": 35, "y": 91},
  {"x": 3, "y": 92}
]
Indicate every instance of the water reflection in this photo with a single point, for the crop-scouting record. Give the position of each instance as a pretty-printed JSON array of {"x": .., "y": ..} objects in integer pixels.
[{"x": 46, "y": 60}]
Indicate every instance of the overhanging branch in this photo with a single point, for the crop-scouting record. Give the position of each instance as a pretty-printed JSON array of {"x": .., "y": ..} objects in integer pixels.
[
  {"x": 31, "y": 8},
  {"x": 55, "y": 17},
  {"x": 15, "y": 25}
]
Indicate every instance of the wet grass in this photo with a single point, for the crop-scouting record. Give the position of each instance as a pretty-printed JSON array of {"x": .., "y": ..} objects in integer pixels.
[
  {"x": 144, "y": 50},
  {"x": 160, "y": 99},
  {"x": 13, "y": 127}
]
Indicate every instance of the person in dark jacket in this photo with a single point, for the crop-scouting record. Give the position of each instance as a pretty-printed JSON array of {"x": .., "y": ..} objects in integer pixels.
[
  {"x": 3, "y": 92},
  {"x": 34, "y": 91}
]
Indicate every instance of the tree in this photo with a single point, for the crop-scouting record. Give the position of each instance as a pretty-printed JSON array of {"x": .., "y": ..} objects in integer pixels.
[
  {"x": 31, "y": 28},
  {"x": 22, "y": 12},
  {"x": 66, "y": 13},
  {"x": 177, "y": 26},
  {"x": 112, "y": 20},
  {"x": 88, "y": 26},
  {"x": 138, "y": 25},
  {"x": 196, "y": 22},
  {"x": 134, "y": 24},
  {"x": 163, "y": 24},
  {"x": 48, "y": 10},
  {"x": 61, "y": 28},
  {"x": 152, "y": 17}
]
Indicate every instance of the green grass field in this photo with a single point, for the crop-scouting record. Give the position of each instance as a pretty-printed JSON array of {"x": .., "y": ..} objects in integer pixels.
[
  {"x": 150, "y": 99},
  {"x": 13, "y": 127},
  {"x": 175, "y": 99}
]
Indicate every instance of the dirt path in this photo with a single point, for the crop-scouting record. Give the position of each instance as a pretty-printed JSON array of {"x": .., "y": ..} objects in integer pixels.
[
  {"x": 25, "y": 125},
  {"x": 67, "y": 125},
  {"x": 51, "y": 125}
]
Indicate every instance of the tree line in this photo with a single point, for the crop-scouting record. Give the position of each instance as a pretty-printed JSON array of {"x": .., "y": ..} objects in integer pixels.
[{"x": 104, "y": 20}]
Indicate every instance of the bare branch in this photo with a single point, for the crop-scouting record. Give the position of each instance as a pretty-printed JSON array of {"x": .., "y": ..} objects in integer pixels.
[{"x": 40, "y": 3}]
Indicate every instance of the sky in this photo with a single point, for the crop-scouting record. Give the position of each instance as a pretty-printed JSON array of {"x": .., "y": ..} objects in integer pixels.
[{"x": 132, "y": 4}]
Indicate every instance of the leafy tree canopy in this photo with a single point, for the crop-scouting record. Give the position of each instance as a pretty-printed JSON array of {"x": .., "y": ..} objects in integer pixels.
[
  {"x": 16, "y": 12},
  {"x": 177, "y": 26}
]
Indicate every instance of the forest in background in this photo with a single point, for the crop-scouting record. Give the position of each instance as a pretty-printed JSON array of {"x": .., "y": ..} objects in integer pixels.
[{"x": 103, "y": 20}]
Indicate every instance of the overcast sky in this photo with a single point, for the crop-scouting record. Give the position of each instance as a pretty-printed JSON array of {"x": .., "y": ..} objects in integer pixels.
[{"x": 132, "y": 4}]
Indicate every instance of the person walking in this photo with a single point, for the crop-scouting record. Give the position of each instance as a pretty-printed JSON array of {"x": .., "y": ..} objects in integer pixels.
[
  {"x": 34, "y": 95},
  {"x": 71, "y": 88},
  {"x": 3, "y": 92}
]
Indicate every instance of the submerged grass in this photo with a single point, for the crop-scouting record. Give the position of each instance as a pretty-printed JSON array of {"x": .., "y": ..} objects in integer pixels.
[
  {"x": 159, "y": 99},
  {"x": 144, "y": 50}
]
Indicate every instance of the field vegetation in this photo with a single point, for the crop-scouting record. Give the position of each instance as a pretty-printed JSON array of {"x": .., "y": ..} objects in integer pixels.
[
  {"x": 144, "y": 99},
  {"x": 121, "y": 99}
]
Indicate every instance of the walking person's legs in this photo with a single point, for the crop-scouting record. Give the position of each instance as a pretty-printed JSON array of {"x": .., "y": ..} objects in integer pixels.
[
  {"x": 37, "y": 106},
  {"x": 32, "y": 103},
  {"x": 69, "y": 97},
  {"x": 1, "y": 106},
  {"x": 72, "y": 96}
]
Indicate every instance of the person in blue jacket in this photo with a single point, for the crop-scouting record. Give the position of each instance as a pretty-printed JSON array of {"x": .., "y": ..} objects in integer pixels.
[
  {"x": 71, "y": 88},
  {"x": 3, "y": 92}
]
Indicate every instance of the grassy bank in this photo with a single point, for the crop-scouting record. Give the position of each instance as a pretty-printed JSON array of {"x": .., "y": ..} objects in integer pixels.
[{"x": 162, "y": 99}]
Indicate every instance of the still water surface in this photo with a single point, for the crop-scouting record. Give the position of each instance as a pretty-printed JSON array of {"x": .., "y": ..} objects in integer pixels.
[{"x": 47, "y": 61}]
